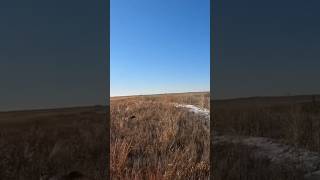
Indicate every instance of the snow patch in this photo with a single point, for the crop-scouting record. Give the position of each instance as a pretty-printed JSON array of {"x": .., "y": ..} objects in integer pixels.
[
  {"x": 197, "y": 110},
  {"x": 277, "y": 152}
]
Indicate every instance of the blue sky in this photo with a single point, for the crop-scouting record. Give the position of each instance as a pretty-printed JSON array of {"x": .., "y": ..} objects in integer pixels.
[{"x": 159, "y": 46}]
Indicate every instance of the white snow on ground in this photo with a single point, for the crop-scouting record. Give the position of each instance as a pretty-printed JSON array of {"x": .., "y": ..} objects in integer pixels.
[
  {"x": 197, "y": 110},
  {"x": 265, "y": 147},
  {"x": 278, "y": 153},
  {"x": 205, "y": 113}
]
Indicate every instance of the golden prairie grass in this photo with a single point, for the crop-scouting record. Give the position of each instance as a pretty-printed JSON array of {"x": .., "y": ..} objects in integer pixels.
[
  {"x": 47, "y": 143},
  {"x": 237, "y": 162},
  {"x": 153, "y": 139},
  {"x": 295, "y": 123},
  {"x": 162, "y": 142},
  {"x": 200, "y": 99}
]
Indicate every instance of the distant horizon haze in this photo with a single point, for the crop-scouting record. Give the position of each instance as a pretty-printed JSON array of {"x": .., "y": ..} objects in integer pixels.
[{"x": 164, "y": 93}]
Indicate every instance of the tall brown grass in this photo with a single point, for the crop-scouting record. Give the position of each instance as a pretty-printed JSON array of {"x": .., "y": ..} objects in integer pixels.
[
  {"x": 51, "y": 142},
  {"x": 237, "y": 162},
  {"x": 152, "y": 139},
  {"x": 296, "y": 124}
]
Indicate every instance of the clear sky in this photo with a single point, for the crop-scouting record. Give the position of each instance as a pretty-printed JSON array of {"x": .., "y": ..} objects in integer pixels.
[
  {"x": 159, "y": 46},
  {"x": 266, "y": 48},
  {"x": 52, "y": 53}
]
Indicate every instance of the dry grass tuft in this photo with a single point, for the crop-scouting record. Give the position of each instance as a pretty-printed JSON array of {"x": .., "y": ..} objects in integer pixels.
[{"x": 160, "y": 142}]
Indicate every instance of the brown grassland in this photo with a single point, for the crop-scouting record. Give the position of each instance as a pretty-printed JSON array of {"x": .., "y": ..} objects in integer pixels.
[
  {"x": 161, "y": 142},
  {"x": 50, "y": 143},
  {"x": 295, "y": 120},
  {"x": 153, "y": 139},
  {"x": 291, "y": 120}
]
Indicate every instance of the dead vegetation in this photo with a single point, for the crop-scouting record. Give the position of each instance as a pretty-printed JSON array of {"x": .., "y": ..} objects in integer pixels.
[
  {"x": 53, "y": 143},
  {"x": 152, "y": 139},
  {"x": 236, "y": 161},
  {"x": 295, "y": 122}
]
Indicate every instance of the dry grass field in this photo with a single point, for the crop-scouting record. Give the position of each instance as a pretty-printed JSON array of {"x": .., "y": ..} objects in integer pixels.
[
  {"x": 291, "y": 121},
  {"x": 50, "y": 143},
  {"x": 153, "y": 139},
  {"x": 150, "y": 139}
]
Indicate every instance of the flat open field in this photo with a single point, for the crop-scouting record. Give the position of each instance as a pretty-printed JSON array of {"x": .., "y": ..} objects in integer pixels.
[
  {"x": 156, "y": 137},
  {"x": 166, "y": 137},
  {"x": 267, "y": 138},
  {"x": 53, "y": 143}
]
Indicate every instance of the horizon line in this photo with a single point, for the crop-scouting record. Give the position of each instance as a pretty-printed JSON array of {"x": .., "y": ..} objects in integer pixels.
[
  {"x": 164, "y": 93},
  {"x": 263, "y": 96}
]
